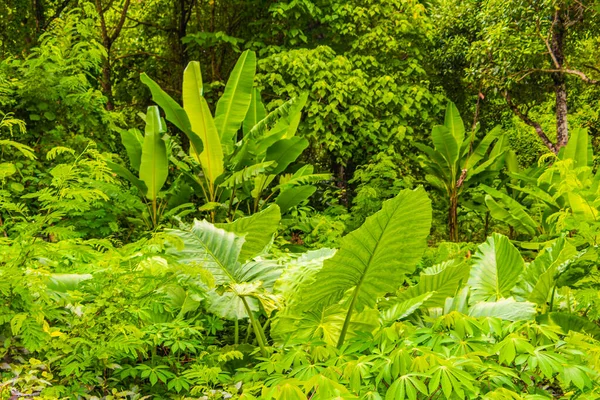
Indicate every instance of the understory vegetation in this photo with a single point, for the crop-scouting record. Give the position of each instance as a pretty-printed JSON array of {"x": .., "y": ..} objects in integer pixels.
[{"x": 296, "y": 200}]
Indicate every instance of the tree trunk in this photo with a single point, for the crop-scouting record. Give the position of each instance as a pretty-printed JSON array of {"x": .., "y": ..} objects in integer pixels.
[
  {"x": 106, "y": 81},
  {"x": 107, "y": 41},
  {"x": 453, "y": 217},
  {"x": 40, "y": 15},
  {"x": 560, "y": 87}
]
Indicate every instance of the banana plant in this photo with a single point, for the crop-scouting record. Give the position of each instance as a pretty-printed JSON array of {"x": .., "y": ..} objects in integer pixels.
[
  {"x": 243, "y": 283},
  {"x": 148, "y": 156},
  {"x": 372, "y": 261},
  {"x": 241, "y": 150},
  {"x": 456, "y": 162},
  {"x": 564, "y": 191}
]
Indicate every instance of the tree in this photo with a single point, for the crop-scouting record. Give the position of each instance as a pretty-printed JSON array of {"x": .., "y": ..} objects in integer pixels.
[
  {"x": 364, "y": 65},
  {"x": 533, "y": 51}
]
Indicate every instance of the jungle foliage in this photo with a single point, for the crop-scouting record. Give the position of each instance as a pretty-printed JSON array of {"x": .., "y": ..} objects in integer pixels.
[{"x": 299, "y": 199}]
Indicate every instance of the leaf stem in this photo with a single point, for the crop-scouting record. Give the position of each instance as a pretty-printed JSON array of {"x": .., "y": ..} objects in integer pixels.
[{"x": 257, "y": 329}]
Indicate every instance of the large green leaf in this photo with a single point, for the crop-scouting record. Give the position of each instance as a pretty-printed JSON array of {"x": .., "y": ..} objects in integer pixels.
[
  {"x": 570, "y": 322},
  {"x": 256, "y": 112},
  {"x": 154, "y": 166},
  {"x": 395, "y": 310},
  {"x": 133, "y": 140},
  {"x": 202, "y": 123},
  {"x": 212, "y": 248},
  {"x": 301, "y": 270},
  {"x": 579, "y": 148},
  {"x": 508, "y": 210},
  {"x": 442, "y": 281},
  {"x": 174, "y": 112},
  {"x": 508, "y": 309},
  {"x": 292, "y": 196},
  {"x": 292, "y": 120},
  {"x": 454, "y": 123},
  {"x": 496, "y": 269},
  {"x": 285, "y": 151},
  {"x": 537, "y": 281},
  {"x": 482, "y": 148},
  {"x": 257, "y": 229},
  {"x": 126, "y": 174},
  {"x": 66, "y": 282},
  {"x": 445, "y": 144},
  {"x": 323, "y": 322},
  {"x": 375, "y": 258},
  {"x": 233, "y": 105}
]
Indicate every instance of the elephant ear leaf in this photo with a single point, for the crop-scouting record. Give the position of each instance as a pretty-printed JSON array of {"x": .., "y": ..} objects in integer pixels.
[
  {"x": 212, "y": 248},
  {"x": 258, "y": 230},
  {"x": 154, "y": 165},
  {"x": 374, "y": 259},
  {"x": 497, "y": 268}
]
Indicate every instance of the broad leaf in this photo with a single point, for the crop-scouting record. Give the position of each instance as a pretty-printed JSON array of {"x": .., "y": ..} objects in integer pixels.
[
  {"x": 256, "y": 112},
  {"x": 398, "y": 309},
  {"x": 202, "y": 123},
  {"x": 374, "y": 259},
  {"x": 508, "y": 309},
  {"x": 292, "y": 196},
  {"x": 154, "y": 166},
  {"x": 66, "y": 282},
  {"x": 212, "y": 248},
  {"x": 126, "y": 174},
  {"x": 442, "y": 282},
  {"x": 579, "y": 148},
  {"x": 570, "y": 322},
  {"x": 454, "y": 123},
  {"x": 233, "y": 105},
  {"x": 257, "y": 229},
  {"x": 481, "y": 150},
  {"x": 496, "y": 269},
  {"x": 285, "y": 151},
  {"x": 509, "y": 211},
  {"x": 445, "y": 144},
  {"x": 132, "y": 139},
  {"x": 174, "y": 112}
]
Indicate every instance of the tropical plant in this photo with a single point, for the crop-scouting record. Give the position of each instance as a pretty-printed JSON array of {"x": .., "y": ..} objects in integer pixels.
[
  {"x": 456, "y": 162},
  {"x": 372, "y": 261},
  {"x": 149, "y": 156},
  {"x": 558, "y": 197},
  {"x": 233, "y": 170},
  {"x": 227, "y": 252}
]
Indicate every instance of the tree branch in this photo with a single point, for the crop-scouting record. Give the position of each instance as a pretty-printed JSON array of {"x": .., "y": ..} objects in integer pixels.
[
  {"x": 525, "y": 118},
  {"x": 59, "y": 9},
  {"x": 151, "y": 25},
  {"x": 119, "y": 25},
  {"x": 568, "y": 71}
]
